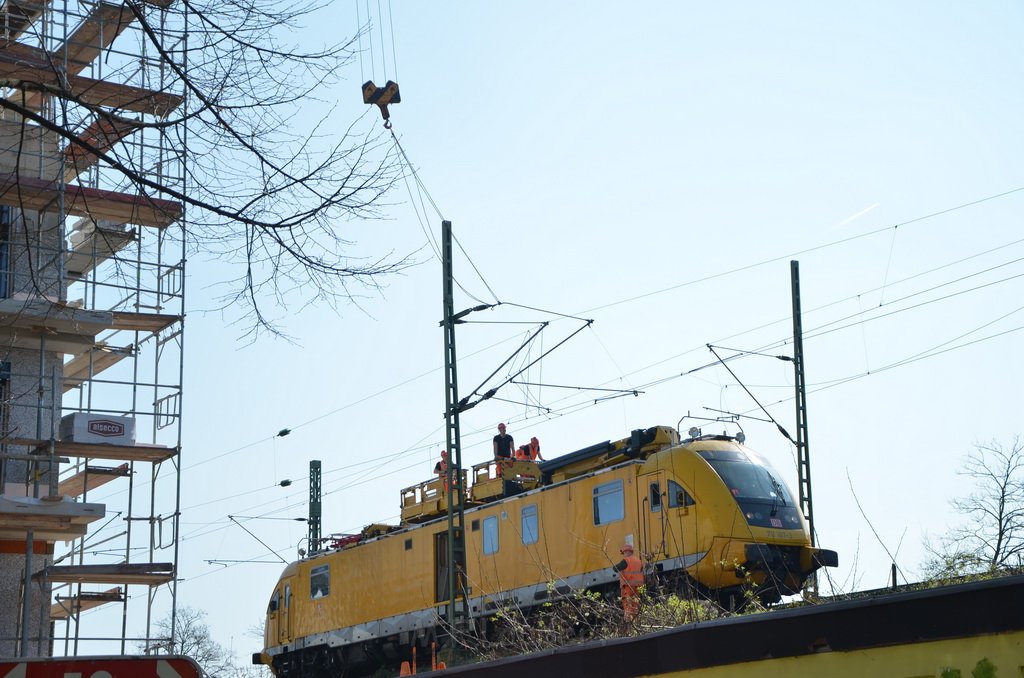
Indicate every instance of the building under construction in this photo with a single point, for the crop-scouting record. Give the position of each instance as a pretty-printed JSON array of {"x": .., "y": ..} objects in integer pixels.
[{"x": 92, "y": 255}]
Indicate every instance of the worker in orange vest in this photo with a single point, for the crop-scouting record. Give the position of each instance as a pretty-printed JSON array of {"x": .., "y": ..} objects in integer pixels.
[
  {"x": 529, "y": 452},
  {"x": 441, "y": 469},
  {"x": 631, "y": 578}
]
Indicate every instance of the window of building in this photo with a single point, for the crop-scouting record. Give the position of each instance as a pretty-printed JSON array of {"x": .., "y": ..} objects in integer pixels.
[
  {"x": 490, "y": 535},
  {"x": 608, "y": 503},
  {"x": 677, "y": 496},
  {"x": 319, "y": 581},
  {"x": 529, "y": 526}
]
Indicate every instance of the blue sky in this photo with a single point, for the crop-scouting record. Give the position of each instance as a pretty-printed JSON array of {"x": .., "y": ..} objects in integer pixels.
[{"x": 654, "y": 167}]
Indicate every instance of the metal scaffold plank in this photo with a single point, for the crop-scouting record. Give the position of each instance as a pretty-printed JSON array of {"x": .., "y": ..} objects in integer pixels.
[
  {"x": 143, "y": 322},
  {"x": 92, "y": 362},
  {"x": 67, "y": 448},
  {"x": 124, "y": 573},
  {"x": 67, "y": 606},
  {"x": 102, "y": 134},
  {"x": 20, "y": 63},
  {"x": 90, "y": 478},
  {"x": 126, "y": 208},
  {"x": 17, "y": 15}
]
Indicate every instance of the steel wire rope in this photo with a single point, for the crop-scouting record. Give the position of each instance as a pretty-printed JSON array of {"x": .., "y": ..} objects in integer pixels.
[
  {"x": 834, "y": 243},
  {"x": 390, "y": 458},
  {"x": 369, "y": 39},
  {"x": 821, "y": 329},
  {"x": 421, "y": 187},
  {"x": 391, "y": 30},
  {"x": 331, "y": 413},
  {"x": 922, "y": 355},
  {"x": 377, "y": 469},
  {"x": 696, "y": 348},
  {"x": 783, "y": 342},
  {"x": 578, "y": 407},
  {"x": 573, "y": 408},
  {"x": 814, "y": 332},
  {"x": 420, "y": 217},
  {"x": 359, "y": 37},
  {"x": 819, "y": 308},
  {"x": 892, "y": 366},
  {"x": 295, "y": 505},
  {"x": 831, "y": 582},
  {"x": 383, "y": 53},
  {"x": 888, "y": 262},
  {"x": 362, "y": 481},
  {"x": 931, "y": 353}
]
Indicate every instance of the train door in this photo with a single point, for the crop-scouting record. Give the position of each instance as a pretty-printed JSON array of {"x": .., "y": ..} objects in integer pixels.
[
  {"x": 441, "y": 567},
  {"x": 441, "y": 572},
  {"x": 273, "y": 617},
  {"x": 651, "y": 493},
  {"x": 284, "y": 617}
]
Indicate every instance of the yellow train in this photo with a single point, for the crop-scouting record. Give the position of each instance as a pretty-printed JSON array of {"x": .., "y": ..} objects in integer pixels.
[{"x": 706, "y": 512}]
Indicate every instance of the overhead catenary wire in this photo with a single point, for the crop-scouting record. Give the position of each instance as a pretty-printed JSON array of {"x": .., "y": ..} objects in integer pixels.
[
  {"x": 886, "y": 303},
  {"x": 816, "y": 248},
  {"x": 691, "y": 282},
  {"x": 575, "y": 407}
]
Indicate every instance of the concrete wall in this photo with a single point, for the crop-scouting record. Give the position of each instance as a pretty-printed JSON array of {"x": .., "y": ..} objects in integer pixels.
[{"x": 31, "y": 409}]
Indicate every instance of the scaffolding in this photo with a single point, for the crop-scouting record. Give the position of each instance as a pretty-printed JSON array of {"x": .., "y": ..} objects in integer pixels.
[{"x": 92, "y": 255}]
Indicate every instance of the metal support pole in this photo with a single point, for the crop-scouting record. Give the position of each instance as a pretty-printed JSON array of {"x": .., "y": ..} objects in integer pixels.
[
  {"x": 803, "y": 447},
  {"x": 456, "y": 492},
  {"x": 314, "y": 505}
]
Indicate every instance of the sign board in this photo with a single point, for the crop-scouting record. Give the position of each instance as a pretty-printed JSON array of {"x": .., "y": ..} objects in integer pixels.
[{"x": 101, "y": 667}]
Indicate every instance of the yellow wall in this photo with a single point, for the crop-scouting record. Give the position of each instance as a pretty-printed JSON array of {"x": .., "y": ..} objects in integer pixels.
[{"x": 941, "y": 659}]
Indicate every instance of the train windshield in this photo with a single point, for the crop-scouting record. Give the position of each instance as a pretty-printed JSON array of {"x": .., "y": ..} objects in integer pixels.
[{"x": 763, "y": 498}]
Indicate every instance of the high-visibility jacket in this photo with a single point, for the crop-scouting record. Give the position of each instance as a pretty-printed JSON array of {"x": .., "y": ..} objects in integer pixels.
[{"x": 631, "y": 577}]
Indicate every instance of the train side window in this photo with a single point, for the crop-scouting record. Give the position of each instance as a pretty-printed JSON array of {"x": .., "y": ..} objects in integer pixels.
[
  {"x": 490, "y": 535},
  {"x": 608, "y": 503},
  {"x": 655, "y": 497},
  {"x": 319, "y": 581},
  {"x": 529, "y": 528},
  {"x": 287, "y": 596},
  {"x": 677, "y": 496},
  {"x": 275, "y": 602}
]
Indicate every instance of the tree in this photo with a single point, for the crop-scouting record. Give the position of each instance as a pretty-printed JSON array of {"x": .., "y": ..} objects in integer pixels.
[
  {"x": 993, "y": 538},
  {"x": 262, "y": 187},
  {"x": 192, "y": 638}
]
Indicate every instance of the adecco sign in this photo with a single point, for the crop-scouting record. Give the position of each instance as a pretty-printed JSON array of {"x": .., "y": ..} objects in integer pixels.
[{"x": 101, "y": 667}]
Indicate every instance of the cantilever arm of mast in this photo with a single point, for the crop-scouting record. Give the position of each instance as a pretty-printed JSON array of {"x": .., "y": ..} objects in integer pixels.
[{"x": 457, "y": 318}]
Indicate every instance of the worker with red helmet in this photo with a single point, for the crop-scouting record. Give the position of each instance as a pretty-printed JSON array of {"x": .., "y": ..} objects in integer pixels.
[
  {"x": 631, "y": 579},
  {"x": 529, "y": 452},
  {"x": 504, "y": 448},
  {"x": 441, "y": 469}
]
